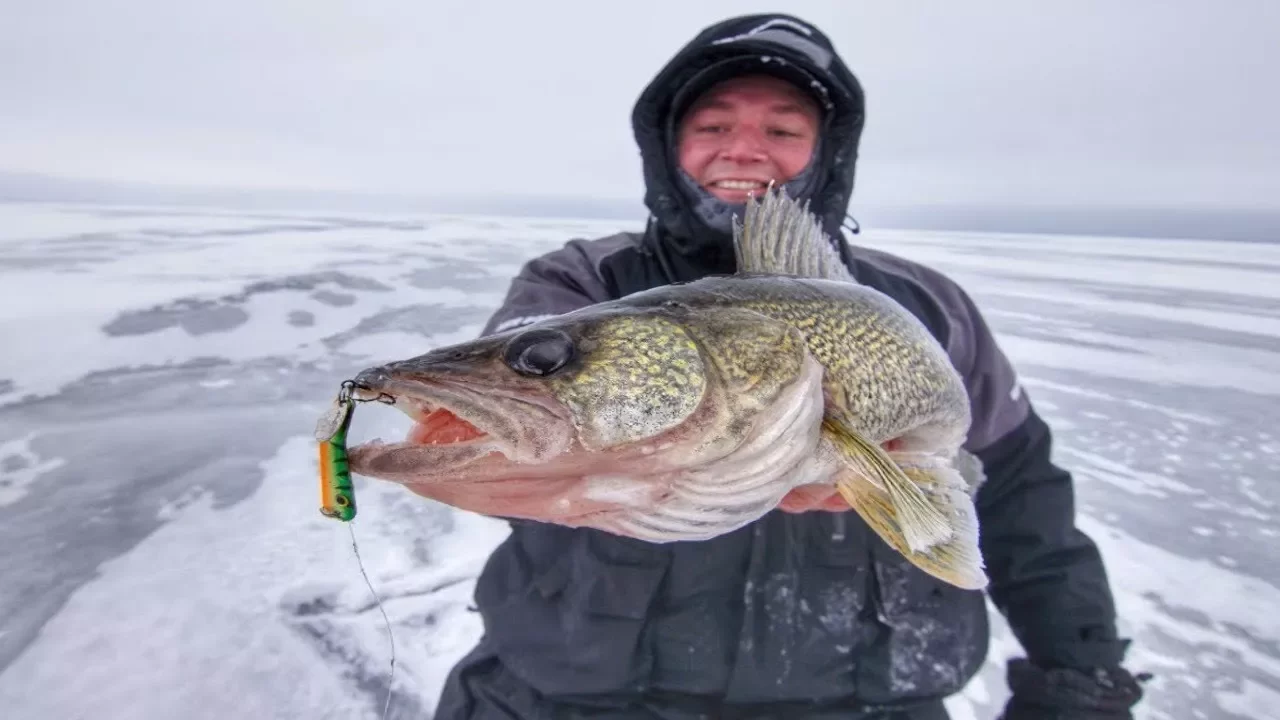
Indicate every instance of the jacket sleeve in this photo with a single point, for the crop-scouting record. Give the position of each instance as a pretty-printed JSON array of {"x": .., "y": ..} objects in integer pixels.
[
  {"x": 553, "y": 284},
  {"x": 1047, "y": 576}
]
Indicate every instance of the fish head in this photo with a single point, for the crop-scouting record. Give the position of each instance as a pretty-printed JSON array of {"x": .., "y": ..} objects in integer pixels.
[{"x": 593, "y": 382}]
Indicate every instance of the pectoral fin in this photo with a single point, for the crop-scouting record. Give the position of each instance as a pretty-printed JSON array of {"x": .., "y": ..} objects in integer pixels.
[
  {"x": 922, "y": 525},
  {"x": 904, "y": 503}
]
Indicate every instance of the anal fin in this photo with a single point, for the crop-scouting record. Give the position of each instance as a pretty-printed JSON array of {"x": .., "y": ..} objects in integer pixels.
[
  {"x": 920, "y": 523},
  {"x": 957, "y": 561},
  {"x": 900, "y": 495}
]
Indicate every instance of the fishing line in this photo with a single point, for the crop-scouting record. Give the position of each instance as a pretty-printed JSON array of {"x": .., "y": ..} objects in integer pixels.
[
  {"x": 390, "y": 637},
  {"x": 337, "y": 490}
]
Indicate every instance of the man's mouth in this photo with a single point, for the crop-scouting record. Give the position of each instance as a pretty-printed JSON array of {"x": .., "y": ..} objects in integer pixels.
[{"x": 740, "y": 184}]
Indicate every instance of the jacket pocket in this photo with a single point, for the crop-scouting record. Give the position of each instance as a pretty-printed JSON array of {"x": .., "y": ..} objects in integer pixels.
[
  {"x": 577, "y": 625},
  {"x": 934, "y": 635},
  {"x": 804, "y": 630}
]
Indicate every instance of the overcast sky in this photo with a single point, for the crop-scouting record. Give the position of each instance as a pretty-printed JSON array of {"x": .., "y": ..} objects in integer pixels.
[{"x": 1165, "y": 102}]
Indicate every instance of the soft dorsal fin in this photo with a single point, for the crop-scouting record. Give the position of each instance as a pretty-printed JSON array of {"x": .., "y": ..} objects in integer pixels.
[{"x": 779, "y": 236}]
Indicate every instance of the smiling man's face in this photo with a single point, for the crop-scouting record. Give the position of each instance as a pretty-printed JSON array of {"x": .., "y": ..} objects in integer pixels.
[{"x": 745, "y": 132}]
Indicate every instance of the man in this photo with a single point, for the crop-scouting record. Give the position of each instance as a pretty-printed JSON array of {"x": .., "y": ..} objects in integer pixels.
[{"x": 805, "y": 613}]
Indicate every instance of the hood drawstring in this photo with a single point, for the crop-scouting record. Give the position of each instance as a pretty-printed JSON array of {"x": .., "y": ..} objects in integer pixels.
[{"x": 855, "y": 228}]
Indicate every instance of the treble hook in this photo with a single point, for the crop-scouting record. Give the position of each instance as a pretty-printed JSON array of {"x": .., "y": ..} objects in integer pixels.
[{"x": 345, "y": 394}]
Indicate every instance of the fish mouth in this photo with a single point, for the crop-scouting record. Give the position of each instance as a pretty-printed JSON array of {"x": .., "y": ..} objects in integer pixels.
[{"x": 459, "y": 428}]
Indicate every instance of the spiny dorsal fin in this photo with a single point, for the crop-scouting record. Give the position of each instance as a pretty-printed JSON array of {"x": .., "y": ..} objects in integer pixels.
[{"x": 779, "y": 236}]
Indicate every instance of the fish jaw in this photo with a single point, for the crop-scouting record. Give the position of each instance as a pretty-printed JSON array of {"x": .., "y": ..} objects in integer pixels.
[
  {"x": 567, "y": 485},
  {"x": 504, "y": 419}
]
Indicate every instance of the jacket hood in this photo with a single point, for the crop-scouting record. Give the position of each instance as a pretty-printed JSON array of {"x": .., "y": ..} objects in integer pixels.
[{"x": 692, "y": 220}]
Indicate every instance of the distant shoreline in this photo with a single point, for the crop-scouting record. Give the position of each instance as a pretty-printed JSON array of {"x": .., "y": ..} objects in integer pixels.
[{"x": 1230, "y": 224}]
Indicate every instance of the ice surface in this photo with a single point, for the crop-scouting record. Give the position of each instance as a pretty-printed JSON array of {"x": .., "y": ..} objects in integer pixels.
[
  {"x": 250, "y": 611},
  {"x": 164, "y": 556},
  {"x": 86, "y": 298},
  {"x": 20, "y": 468}
]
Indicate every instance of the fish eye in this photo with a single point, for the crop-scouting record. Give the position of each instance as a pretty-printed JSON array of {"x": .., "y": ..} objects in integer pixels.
[{"x": 539, "y": 352}]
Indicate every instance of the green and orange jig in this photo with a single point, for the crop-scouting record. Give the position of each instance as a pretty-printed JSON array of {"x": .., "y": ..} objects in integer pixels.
[{"x": 337, "y": 493}]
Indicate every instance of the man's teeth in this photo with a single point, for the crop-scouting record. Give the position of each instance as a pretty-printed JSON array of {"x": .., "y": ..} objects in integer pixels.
[{"x": 739, "y": 184}]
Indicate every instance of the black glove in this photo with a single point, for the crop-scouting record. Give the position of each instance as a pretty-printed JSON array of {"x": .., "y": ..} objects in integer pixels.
[{"x": 1067, "y": 694}]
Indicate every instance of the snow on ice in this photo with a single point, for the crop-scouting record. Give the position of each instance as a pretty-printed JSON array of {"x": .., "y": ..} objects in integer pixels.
[{"x": 164, "y": 369}]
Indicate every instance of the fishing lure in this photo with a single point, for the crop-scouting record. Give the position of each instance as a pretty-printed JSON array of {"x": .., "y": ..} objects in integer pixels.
[{"x": 337, "y": 493}]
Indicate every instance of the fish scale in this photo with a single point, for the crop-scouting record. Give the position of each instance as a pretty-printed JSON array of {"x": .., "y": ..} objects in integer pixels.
[{"x": 885, "y": 372}]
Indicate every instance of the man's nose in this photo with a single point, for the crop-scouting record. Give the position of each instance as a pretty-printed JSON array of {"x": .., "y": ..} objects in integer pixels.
[{"x": 744, "y": 145}]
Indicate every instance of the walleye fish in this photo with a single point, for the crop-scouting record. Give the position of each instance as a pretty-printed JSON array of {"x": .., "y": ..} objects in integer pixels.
[{"x": 688, "y": 411}]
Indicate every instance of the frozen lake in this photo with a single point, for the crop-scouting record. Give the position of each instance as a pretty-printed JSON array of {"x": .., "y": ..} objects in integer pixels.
[{"x": 163, "y": 370}]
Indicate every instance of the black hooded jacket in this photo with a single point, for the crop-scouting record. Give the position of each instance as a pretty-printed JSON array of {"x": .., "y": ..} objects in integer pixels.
[{"x": 797, "y": 612}]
